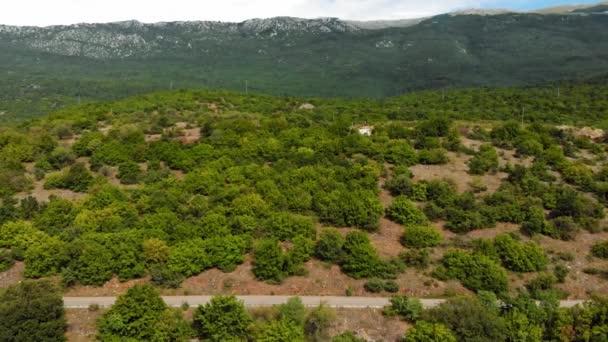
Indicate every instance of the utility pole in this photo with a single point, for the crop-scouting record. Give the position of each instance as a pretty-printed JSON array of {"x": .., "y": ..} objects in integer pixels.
[
  {"x": 246, "y": 87},
  {"x": 523, "y": 112},
  {"x": 558, "y": 93},
  {"x": 171, "y": 85}
]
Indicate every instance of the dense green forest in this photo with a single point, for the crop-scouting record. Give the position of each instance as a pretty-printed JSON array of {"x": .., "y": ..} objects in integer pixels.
[
  {"x": 44, "y": 69},
  {"x": 172, "y": 184}
]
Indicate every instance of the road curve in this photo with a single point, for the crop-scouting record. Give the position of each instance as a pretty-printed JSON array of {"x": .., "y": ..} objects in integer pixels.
[{"x": 258, "y": 301}]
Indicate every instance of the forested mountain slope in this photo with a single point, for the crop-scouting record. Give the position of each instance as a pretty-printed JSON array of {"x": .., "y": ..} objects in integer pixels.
[{"x": 46, "y": 68}]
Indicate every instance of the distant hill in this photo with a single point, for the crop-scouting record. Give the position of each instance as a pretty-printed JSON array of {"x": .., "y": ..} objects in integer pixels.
[{"x": 46, "y": 68}]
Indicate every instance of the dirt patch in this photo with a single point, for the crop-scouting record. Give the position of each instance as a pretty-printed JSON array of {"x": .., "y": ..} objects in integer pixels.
[
  {"x": 81, "y": 324},
  {"x": 579, "y": 284},
  {"x": 369, "y": 324},
  {"x": 111, "y": 288},
  {"x": 457, "y": 170},
  {"x": 386, "y": 240},
  {"x": 12, "y": 276},
  {"x": 42, "y": 195}
]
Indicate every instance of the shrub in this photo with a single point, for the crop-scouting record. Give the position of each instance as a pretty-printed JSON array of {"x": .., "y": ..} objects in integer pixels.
[
  {"x": 188, "y": 258},
  {"x": 374, "y": 285},
  {"x": 360, "y": 258},
  {"x": 540, "y": 285},
  {"x": 359, "y": 208},
  {"x": 436, "y": 156},
  {"x": 429, "y": 332},
  {"x": 129, "y": 172},
  {"x": 404, "y": 211},
  {"x": 163, "y": 276},
  {"x": 560, "y": 272},
  {"x": 285, "y": 226},
  {"x": 486, "y": 160},
  {"x": 329, "y": 246},
  {"x": 400, "y": 185},
  {"x": 600, "y": 249},
  {"x": 141, "y": 314},
  {"x": 6, "y": 260},
  {"x": 297, "y": 255},
  {"x": 564, "y": 228},
  {"x": 421, "y": 237},
  {"x": 470, "y": 319},
  {"x": 223, "y": 318},
  {"x": 268, "y": 261},
  {"x": 476, "y": 272},
  {"x": 518, "y": 256},
  {"x": 417, "y": 258},
  {"x": 32, "y": 311},
  {"x": 408, "y": 309},
  {"x": 391, "y": 286}
]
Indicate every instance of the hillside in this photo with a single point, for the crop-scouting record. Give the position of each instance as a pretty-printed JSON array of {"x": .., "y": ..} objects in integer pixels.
[
  {"x": 47, "y": 68},
  {"x": 219, "y": 193}
]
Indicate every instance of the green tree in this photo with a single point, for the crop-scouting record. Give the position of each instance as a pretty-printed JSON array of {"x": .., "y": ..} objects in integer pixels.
[
  {"x": 129, "y": 172},
  {"x": 293, "y": 311},
  {"x": 268, "y": 261},
  {"x": 329, "y": 246},
  {"x": 408, "y": 309},
  {"x": 32, "y": 311},
  {"x": 141, "y": 314},
  {"x": 360, "y": 258},
  {"x": 224, "y": 318},
  {"x": 429, "y": 332},
  {"x": 470, "y": 319},
  {"x": 281, "y": 331},
  {"x": 318, "y": 322},
  {"x": 404, "y": 211},
  {"x": 421, "y": 237},
  {"x": 486, "y": 160}
]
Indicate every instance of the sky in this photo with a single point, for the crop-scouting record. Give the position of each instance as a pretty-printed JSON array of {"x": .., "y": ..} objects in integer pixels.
[{"x": 62, "y": 12}]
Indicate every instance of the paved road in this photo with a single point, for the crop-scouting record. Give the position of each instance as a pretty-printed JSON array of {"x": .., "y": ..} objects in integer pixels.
[{"x": 256, "y": 301}]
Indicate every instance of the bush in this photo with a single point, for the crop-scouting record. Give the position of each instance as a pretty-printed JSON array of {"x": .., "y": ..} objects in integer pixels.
[
  {"x": 374, "y": 285},
  {"x": 404, "y": 211},
  {"x": 163, "y": 276},
  {"x": 142, "y": 315},
  {"x": 436, "y": 156},
  {"x": 268, "y": 261},
  {"x": 518, "y": 256},
  {"x": 429, "y": 332},
  {"x": 476, "y": 272},
  {"x": 486, "y": 160},
  {"x": 470, "y": 319},
  {"x": 600, "y": 249},
  {"x": 560, "y": 272},
  {"x": 6, "y": 260},
  {"x": 329, "y": 246},
  {"x": 421, "y": 237},
  {"x": 391, "y": 286},
  {"x": 564, "y": 228},
  {"x": 408, "y": 309},
  {"x": 417, "y": 258},
  {"x": 359, "y": 208},
  {"x": 540, "y": 285},
  {"x": 360, "y": 258},
  {"x": 129, "y": 172},
  {"x": 32, "y": 311},
  {"x": 223, "y": 318}
]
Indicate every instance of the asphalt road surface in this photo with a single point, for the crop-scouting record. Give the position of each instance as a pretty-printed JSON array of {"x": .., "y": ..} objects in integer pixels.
[{"x": 257, "y": 301}]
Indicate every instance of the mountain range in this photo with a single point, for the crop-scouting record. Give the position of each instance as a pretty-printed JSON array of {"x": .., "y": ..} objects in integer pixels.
[{"x": 44, "y": 68}]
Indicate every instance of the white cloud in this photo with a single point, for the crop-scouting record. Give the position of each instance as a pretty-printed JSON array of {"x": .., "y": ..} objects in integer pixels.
[{"x": 47, "y": 12}]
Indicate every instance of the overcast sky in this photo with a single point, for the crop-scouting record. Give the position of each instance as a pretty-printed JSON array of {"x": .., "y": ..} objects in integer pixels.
[{"x": 52, "y": 12}]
